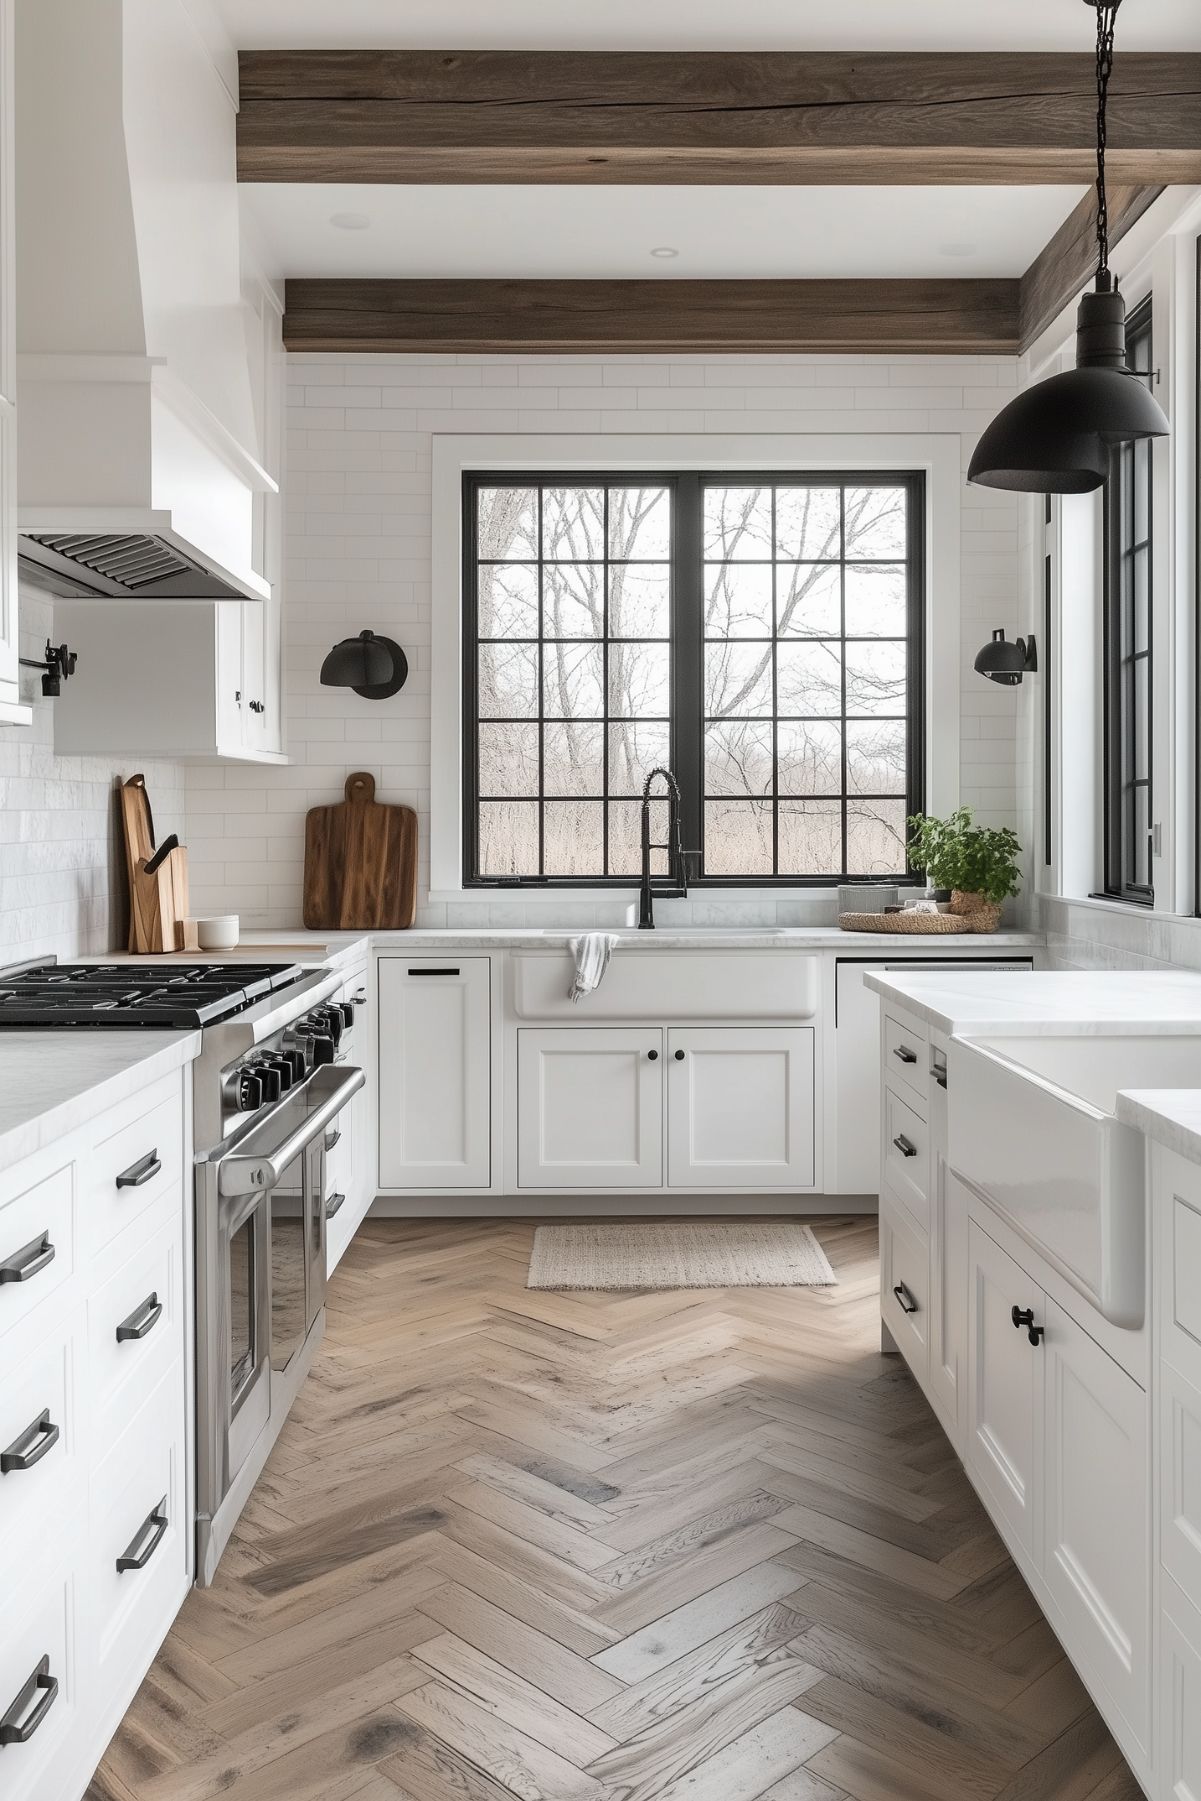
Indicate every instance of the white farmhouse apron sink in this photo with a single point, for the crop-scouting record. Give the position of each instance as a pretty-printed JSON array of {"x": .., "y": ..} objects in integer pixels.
[{"x": 1031, "y": 1125}]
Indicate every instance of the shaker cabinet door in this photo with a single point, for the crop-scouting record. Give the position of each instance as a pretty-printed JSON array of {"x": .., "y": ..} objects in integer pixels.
[
  {"x": 590, "y": 1107},
  {"x": 435, "y": 1072},
  {"x": 1005, "y": 1391},
  {"x": 740, "y": 1107}
]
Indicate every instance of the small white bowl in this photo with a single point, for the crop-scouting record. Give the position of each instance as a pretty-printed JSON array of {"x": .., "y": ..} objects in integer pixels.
[{"x": 219, "y": 934}]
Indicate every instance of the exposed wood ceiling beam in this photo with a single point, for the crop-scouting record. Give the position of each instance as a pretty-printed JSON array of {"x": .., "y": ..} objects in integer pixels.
[
  {"x": 747, "y": 117},
  {"x": 598, "y": 317},
  {"x": 1065, "y": 265}
]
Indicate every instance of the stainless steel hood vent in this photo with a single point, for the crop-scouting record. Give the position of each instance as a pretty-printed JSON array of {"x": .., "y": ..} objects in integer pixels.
[{"x": 119, "y": 565}]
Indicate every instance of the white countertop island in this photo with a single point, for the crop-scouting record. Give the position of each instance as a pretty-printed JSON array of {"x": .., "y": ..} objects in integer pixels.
[{"x": 53, "y": 1080}]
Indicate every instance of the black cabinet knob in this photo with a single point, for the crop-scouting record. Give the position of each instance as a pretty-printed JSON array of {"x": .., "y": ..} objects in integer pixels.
[
  {"x": 652, "y": 1056},
  {"x": 679, "y": 1056}
]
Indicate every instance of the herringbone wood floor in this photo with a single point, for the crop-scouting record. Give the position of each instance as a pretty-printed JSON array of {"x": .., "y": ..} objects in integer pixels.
[{"x": 671, "y": 1547}]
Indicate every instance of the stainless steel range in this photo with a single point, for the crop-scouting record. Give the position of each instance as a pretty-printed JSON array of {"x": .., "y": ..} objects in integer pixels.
[{"x": 275, "y": 1070}]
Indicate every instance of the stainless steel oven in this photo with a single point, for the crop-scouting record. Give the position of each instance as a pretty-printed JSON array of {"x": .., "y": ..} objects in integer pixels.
[{"x": 260, "y": 1289}]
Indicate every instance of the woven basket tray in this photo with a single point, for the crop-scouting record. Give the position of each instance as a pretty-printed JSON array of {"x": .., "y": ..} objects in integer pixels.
[{"x": 915, "y": 923}]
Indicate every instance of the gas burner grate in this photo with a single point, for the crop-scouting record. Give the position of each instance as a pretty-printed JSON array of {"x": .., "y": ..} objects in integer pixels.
[{"x": 137, "y": 994}]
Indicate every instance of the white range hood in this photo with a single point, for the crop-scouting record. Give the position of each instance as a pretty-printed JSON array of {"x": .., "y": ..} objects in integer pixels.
[{"x": 139, "y": 462}]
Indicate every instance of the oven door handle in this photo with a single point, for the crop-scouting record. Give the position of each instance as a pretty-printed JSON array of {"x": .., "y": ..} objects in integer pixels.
[{"x": 249, "y": 1172}]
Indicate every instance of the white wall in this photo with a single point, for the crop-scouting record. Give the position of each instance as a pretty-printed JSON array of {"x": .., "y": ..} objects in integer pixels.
[
  {"x": 357, "y": 554},
  {"x": 62, "y": 861}
]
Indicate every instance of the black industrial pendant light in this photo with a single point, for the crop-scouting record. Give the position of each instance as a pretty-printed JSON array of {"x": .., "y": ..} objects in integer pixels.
[{"x": 1056, "y": 437}]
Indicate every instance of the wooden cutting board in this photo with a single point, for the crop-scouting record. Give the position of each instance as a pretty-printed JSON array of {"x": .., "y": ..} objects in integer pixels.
[{"x": 360, "y": 862}]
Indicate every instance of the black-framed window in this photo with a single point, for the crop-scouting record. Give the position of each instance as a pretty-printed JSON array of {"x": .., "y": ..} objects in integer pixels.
[
  {"x": 1129, "y": 650},
  {"x": 761, "y": 634}
]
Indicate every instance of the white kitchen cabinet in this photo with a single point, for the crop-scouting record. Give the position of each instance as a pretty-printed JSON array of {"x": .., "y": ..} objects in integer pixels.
[
  {"x": 1178, "y": 1730},
  {"x": 740, "y": 1107},
  {"x": 905, "y": 1283},
  {"x": 40, "y": 1687},
  {"x": 12, "y": 712},
  {"x": 590, "y": 1107},
  {"x": 435, "y": 1072},
  {"x": 948, "y": 1295},
  {"x": 349, "y": 1147},
  {"x": 1096, "y": 1506},
  {"x": 1005, "y": 1392}
]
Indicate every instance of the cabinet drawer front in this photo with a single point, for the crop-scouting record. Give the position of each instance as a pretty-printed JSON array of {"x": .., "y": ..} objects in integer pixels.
[
  {"x": 135, "y": 1330},
  {"x": 906, "y": 1057},
  {"x": 39, "y": 1692},
  {"x": 40, "y": 1440},
  {"x": 132, "y": 1165},
  {"x": 905, "y": 1283},
  {"x": 906, "y": 1155},
  {"x": 37, "y": 1246},
  {"x": 1005, "y": 1391},
  {"x": 138, "y": 1520}
]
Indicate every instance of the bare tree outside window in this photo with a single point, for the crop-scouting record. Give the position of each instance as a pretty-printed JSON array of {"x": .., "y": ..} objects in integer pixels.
[{"x": 763, "y": 633}]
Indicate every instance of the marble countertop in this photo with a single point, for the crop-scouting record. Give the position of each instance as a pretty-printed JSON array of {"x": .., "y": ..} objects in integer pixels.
[
  {"x": 52, "y": 1081},
  {"x": 1103, "y": 1003},
  {"x": 1170, "y": 1116},
  {"x": 298, "y": 942}
]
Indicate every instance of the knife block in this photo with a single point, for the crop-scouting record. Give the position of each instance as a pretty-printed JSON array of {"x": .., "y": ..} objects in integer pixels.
[{"x": 159, "y": 912}]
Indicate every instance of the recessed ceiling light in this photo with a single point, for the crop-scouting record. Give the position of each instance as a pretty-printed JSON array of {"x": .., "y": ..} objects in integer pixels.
[
  {"x": 350, "y": 221},
  {"x": 664, "y": 250},
  {"x": 957, "y": 250}
]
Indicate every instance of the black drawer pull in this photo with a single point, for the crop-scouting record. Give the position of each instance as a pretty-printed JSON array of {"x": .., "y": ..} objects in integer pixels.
[
  {"x": 940, "y": 1076},
  {"x": 333, "y": 1137},
  {"x": 908, "y": 1304},
  {"x": 903, "y": 1145},
  {"x": 904, "y": 1053},
  {"x": 17, "y": 1731},
  {"x": 334, "y": 1205},
  {"x": 141, "y": 1172},
  {"x": 360, "y": 998},
  {"x": 142, "y": 1320},
  {"x": 31, "y": 1445},
  {"x": 1024, "y": 1316},
  {"x": 26, "y": 1262},
  {"x": 156, "y": 1524},
  {"x": 433, "y": 972}
]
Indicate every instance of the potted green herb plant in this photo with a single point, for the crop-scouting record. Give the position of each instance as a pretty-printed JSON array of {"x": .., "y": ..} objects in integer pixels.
[{"x": 979, "y": 864}]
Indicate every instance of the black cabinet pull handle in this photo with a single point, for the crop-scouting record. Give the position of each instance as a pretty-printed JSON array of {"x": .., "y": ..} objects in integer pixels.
[
  {"x": 156, "y": 1524},
  {"x": 679, "y": 1056},
  {"x": 26, "y": 1262},
  {"x": 908, "y": 1304},
  {"x": 903, "y": 1145},
  {"x": 141, "y": 1172},
  {"x": 940, "y": 1076},
  {"x": 1024, "y": 1316},
  {"x": 904, "y": 1053},
  {"x": 334, "y": 1205},
  {"x": 142, "y": 1320},
  {"x": 17, "y": 1731},
  {"x": 31, "y": 1445},
  {"x": 360, "y": 998},
  {"x": 333, "y": 1137},
  {"x": 433, "y": 972}
]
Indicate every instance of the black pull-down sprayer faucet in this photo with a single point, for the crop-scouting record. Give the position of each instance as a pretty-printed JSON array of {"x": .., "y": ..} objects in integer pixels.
[{"x": 677, "y": 873}]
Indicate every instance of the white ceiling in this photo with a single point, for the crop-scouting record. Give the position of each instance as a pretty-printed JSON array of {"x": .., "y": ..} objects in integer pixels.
[
  {"x": 704, "y": 24},
  {"x": 610, "y": 231}
]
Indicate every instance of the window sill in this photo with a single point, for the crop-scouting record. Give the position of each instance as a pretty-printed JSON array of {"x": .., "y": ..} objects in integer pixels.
[{"x": 1129, "y": 909}]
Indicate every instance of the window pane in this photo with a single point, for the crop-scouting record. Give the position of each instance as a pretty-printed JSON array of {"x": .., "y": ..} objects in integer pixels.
[
  {"x": 508, "y": 759},
  {"x": 508, "y": 837},
  {"x": 737, "y": 679},
  {"x": 876, "y": 837},
  {"x": 811, "y": 837},
  {"x": 876, "y": 756},
  {"x": 738, "y": 524},
  {"x": 810, "y": 678},
  {"x": 875, "y": 523},
  {"x": 635, "y": 748},
  {"x": 508, "y": 524},
  {"x": 574, "y": 759},
  {"x": 573, "y": 600},
  {"x": 508, "y": 600},
  {"x": 573, "y": 525},
  {"x": 738, "y": 837},
  {"x": 508, "y": 676},
  {"x": 639, "y": 680},
  {"x": 810, "y": 757},
  {"x": 625, "y": 837},
  {"x": 809, "y": 600},
  {"x": 640, "y": 523},
  {"x": 738, "y": 757},
  {"x": 738, "y": 600},
  {"x": 875, "y": 678},
  {"x": 876, "y": 600},
  {"x": 808, "y": 523},
  {"x": 574, "y": 837},
  {"x": 640, "y": 600},
  {"x": 572, "y": 681}
]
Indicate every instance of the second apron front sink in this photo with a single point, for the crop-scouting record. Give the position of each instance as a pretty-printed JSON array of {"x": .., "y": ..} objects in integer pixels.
[{"x": 1031, "y": 1125}]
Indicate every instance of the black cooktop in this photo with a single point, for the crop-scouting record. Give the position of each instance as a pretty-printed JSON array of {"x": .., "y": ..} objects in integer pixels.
[{"x": 137, "y": 994}]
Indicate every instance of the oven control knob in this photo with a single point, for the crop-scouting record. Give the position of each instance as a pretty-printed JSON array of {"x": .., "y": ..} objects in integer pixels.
[
  {"x": 328, "y": 1020},
  {"x": 248, "y": 1091},
  {"x": 282, "y": 1066},
  {"x": 323, "y": 1048},
  {"x": 270, "y": 1079},
  {"x": 294, "y": 1057},
  {"x": 346, "y": 1009}
]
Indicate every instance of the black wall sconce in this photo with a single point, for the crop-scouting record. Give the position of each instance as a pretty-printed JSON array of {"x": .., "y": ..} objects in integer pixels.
[
  {"x": 56, "y": 666},
  {"x": 1005, "y": 662},
  {"x": 374, "y": 667}
]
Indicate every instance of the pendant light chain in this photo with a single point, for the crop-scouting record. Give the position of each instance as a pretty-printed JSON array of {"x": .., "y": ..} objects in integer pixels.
[{"x": 1106, "y": 17}]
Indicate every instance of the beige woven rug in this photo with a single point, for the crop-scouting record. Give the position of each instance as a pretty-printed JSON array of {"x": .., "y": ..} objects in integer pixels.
[{"x": 678, "y": 1254}]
